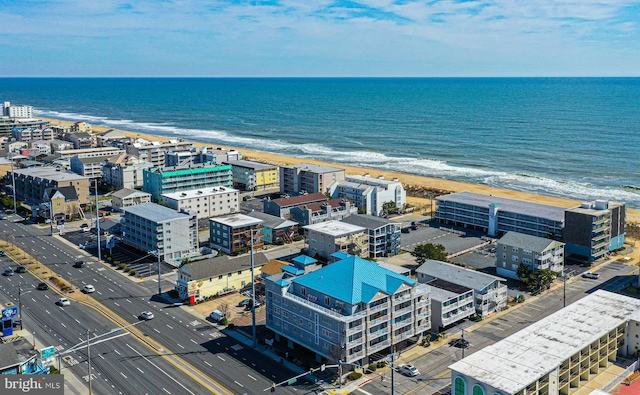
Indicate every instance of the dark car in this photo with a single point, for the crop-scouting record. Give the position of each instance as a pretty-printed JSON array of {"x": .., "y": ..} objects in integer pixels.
[
  {"x": 42, "y": 287},
  {"x": 414, "y": 227},
  {"x": 8, "y": 272},
  {"x": 21, "y": 269},
  {"x": 405, "y": 230},
  {"x": 78, "y": 264},
  {"x": 84, "y": 225},
  {"x": 459, "y": 343},
  {"x": 1, "y": 252}
]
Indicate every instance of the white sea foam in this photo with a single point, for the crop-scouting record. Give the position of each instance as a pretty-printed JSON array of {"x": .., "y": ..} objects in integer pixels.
[{"x": 420, "y": 166}]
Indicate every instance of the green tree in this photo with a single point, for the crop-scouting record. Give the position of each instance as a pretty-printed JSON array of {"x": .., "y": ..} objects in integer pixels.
[
  {"x": 389, "y": 207},
  {"x": 523, "y": 273},
  {"x": 541, "y": 279},
  {"x": 426, "y": 251}
]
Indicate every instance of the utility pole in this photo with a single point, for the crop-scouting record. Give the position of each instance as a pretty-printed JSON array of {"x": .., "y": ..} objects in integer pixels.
[
  {"x": 253, "y": 296},
  {"x": 50, "y": 218},
  {"x": 13, "y": 180},
  {"x": 393, "y": 373},
  {"x": 98, "y": 223},
  {"x": 20, "y": 303},
  {"x": 463, "y": 344},
  {"x": 159, "y": 274}
]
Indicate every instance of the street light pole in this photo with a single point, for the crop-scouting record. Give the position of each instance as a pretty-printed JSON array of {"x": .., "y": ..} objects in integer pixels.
[
  {"x": 253, "y": 296},
  {"x": 159, "y": 275},
  {"x": 50, "y": 218},
  {"x": 462, "y": 343}
]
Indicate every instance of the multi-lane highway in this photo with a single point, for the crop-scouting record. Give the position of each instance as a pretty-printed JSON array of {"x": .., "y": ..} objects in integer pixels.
[{"x": 191, "y": 352}]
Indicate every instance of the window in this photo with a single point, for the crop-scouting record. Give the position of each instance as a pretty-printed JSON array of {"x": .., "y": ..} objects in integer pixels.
[
  {"x": 327, "y": 300},
  {"x": 477, "y": 390},
  {"x": 459, "y": 386},
  {"x": 514, "y": 249},
  {"x": 514, "y": 258},
  {"x": 303, "y": 291}
]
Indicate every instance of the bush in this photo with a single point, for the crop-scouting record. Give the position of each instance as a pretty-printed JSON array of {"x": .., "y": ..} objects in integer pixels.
[
  {"x": 133, "y": 272},
  {"x": 354, "y": 375},
  {"x": 54, "y": 370},
  {"x": 373, "y": 367},
  {"x": 381, "y": 364},
  {"x": 297, "y": 238},
  {"x": 280, "y": 242},
  {"x": 116, "y": 263},
  {"x": 224, "y": 321}
]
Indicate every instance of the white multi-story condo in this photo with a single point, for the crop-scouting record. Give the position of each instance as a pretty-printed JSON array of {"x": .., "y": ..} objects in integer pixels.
[
  {"x": 384, "y": 235},
  {"x": 206, "y": 202},
  {"x": 370, "y": 194},
  {"x": 561, "y": 354},
  {"x": 348, "y": 310},
  {"x": 514, "y": 249},
  {"x": 161, "y": 230},
  {"x": 17, "y": 111},
  {"x": 490, "y": 294},
  {"x": 89, "y": 152}
]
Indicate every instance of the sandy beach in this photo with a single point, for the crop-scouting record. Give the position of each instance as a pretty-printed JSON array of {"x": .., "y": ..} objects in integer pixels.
[{"x": 417, "y": 186}]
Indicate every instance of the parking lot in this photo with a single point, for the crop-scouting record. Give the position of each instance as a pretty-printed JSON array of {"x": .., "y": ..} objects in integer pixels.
[{"x": 454, "y": 243}]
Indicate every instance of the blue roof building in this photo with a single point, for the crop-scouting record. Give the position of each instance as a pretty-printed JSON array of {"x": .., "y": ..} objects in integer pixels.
[{"x": 347, "y": 310}]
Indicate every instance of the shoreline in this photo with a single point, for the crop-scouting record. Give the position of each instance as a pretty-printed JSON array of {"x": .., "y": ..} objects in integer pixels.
[{"x": 415, "y": 185}]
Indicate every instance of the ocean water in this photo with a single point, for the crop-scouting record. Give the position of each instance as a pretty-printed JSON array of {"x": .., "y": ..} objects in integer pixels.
[{"x": 570, "y": 137}]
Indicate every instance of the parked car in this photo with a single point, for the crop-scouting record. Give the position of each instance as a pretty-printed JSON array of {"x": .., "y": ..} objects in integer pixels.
[
  {"x": 21, "y": 269},
  {"x": 84, "y": 226},
  {"x": 408, "y": 369},
  {"x": 405, "y": 230},
  {"x": 78, "y": 264},
  {"x": 88, "y": 288},
  {"x": 216, "y": 315},
  {"x": 63, "y": 302},
  {"x": 414, "y": 227},
  {"x": 460, "y": 343},
  {"x": 1, "y": 252},
  {"x": 8, "y": 272},
  {"x": 146, "y": 315},
  {"x": 244, "y": 303},
  {"x": 42, "y": 287},
  {"x": 590, "y": 275}
]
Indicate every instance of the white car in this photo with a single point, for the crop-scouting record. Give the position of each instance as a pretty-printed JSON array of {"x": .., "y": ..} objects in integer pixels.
[
  {"x": 63, "y": 302},
  {"x": 146, "y": 315},
  {"x": 591, "y": 275},
  {"x": 89, "y": 288},
  {"x": 408, "y": 369}
]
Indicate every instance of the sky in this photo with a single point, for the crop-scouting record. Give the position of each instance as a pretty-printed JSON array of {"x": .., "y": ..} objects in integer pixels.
[{"x": 319, "y": 38}]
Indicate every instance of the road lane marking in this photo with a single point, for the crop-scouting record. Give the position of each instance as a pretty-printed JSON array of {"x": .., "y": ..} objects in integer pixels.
[
  {"x": 180, "y": 345},
  {"x": 123, "y": 375},
  {"x": 116, "y": 303},
  {"x": 252, "y": 378},
  {"x": 128, "y": 300},
  {"x": 77, "y": 320},
  {"x": 207, "y": 363},
  {"x": 116, "y": 351},
  {"x": 156, "y": 330},
  {"x": 47, "y": 296},
  {"x": 238, "y": 384},
  {"x": 193, "y": 341},
  {"x": 165, "y": 390},
  {"x": 220, "y": 357},
  {"x": 161, "y": 370},
  {"x": 140, "y": 370},
  {"x": 170, "y": 327},
  {"x": 111, "y": 290},
  {"x": 33, "y": 300},
  {"x": 61, "y": 322}
]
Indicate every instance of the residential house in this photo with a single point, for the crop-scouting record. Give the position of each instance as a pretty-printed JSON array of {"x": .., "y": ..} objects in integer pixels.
[
  {"x": 206, "y": 202},
  {"x": 60, "y": 145},
  {"x": 33, "y": 134},
  {"x": 282, "y": 207},
  {"x": 323, "y": 211},
  {"x": 160, "y": 230},
  {"x": 538, "y": 253},
  {"x": 126, "y": 197},
  {"x": 42, "y": 146},
  {"x": 89, "y": 167},
  {"x": 234, "y": 233},
  {"x": 276, "y": 228},
  {"x": 384, "y": 234},
  {"x": 489, "y": 292},
  {"x": 112, "y": 138},
  {"x": 325, "y": 238},
  {"x": 155, "y": 151},
  {"x": 60, "y": 204},
  {"x": 308, "y": 178},
  {"x": 370, "y": 194},
  {"x": 217, "y": 276},
  {"x": 347, "y": 311},
  {"x": 81, "y": 140}
]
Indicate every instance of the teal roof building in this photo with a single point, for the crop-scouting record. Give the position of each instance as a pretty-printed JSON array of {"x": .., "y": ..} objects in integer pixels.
[{"x": 157, "y": 180}]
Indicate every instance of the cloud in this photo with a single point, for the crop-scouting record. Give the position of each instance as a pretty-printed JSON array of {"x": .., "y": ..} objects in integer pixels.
[{"x": 320, "y": 37}]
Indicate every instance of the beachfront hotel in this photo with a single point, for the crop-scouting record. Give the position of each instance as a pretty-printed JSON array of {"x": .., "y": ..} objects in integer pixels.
[
  {"x": 308, "y": 178},
  {"x": 497, "y": 216},
  {"x": 590, "y": 231},
  {"x": 561, "y": 354},
  {"x": 159, "y": 180},
  {"x": 348, "y": 310},
  {"x": 252, "y": 176}
]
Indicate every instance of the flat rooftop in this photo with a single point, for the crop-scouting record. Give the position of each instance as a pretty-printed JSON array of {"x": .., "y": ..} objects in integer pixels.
[
  {"x": 49, "y": 173},
  {"x": 154, "y": 212},
  {"x": 248, "y": 164},
  {"x": 508, "y": 205},
  {"x": 335, "y": 228},
  {"x": 315, "y": 168},
  {"x": 236, "y": 220},
  {"x": 199, "y": 192},
  {"x": 524, "y": 357}
]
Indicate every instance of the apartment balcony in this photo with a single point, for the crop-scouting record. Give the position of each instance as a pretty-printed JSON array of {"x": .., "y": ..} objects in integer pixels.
[
  {"x": 403, "y": 323},
  {"x": 402, "y": 311},
  {"x": 403, "y": 336},
  {"x": 379, "y": 346},
  {"x": 379, "y": 307},
  {"x": 379, "y": 320},
  {"x": 355, "y": 329},
  {"x": 401, "y": 298},
  {"x": 355, "y": 356},
  {"x": 376, "y": 333},
  {"x": 355, "y": 342},
  {"x": 423, "y": 314}
]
